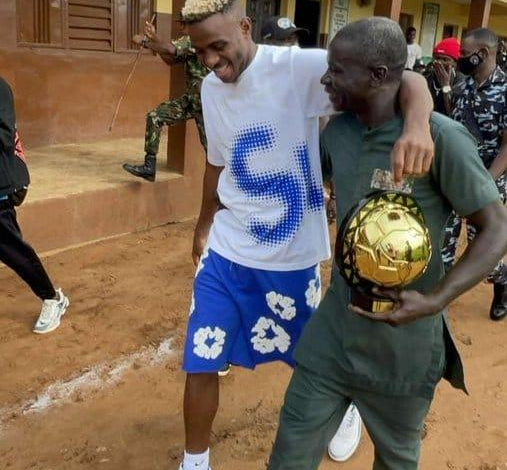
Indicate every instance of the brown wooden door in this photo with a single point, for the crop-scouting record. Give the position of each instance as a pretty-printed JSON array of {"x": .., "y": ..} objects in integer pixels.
[{"x": 259, "y": 11}]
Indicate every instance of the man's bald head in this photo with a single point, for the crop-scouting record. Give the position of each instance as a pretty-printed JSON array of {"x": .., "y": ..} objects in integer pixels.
[
  {"x": 375, "y": 42},
  {"x": 365, "y": 63}
]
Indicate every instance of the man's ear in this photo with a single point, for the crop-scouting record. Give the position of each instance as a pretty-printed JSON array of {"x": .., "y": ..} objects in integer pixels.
[
  {"x": 378, "y": 76},
  {"x": 484, "y": 53},
  {"x": 246, "y": 25}
]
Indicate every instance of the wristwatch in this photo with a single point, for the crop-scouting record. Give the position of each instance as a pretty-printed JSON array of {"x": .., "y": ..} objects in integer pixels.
[{"x": 446, "y": 89}]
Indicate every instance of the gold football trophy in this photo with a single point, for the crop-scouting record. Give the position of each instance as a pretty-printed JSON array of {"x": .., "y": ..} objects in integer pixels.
[{"x": 383, "y": 241}]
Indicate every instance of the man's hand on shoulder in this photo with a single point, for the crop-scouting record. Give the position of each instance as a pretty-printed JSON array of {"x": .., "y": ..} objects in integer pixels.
[{"x": 413, "y": 152}]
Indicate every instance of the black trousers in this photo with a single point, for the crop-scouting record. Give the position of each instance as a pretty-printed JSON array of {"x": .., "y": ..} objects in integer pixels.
[{"x": 21, "y": 257}]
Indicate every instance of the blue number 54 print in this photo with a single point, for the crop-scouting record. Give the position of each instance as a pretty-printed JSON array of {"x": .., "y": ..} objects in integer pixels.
[{"x": 296, "y": 191}]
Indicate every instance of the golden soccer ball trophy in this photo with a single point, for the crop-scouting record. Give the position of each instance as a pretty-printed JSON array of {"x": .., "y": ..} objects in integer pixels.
[{"x": 383, "y": 241}]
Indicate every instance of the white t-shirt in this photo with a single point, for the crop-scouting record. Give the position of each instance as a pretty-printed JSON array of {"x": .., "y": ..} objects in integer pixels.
[
  {"x": 414, "y": 52},
  {"x": 264, "y": 130}
]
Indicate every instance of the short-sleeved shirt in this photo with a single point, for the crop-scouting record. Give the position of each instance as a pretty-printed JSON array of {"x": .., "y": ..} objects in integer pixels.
[
  {"x": 195, "y": 71},
  {"x": 414, "y": 52},
  {"x": 483, "y": 110},
  {"x": 409, "y": 359},
  {"x": 264, "y": 130}
]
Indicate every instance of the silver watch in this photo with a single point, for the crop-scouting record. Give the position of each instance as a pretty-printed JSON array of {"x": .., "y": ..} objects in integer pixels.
[{"x": 446, "y": 89}]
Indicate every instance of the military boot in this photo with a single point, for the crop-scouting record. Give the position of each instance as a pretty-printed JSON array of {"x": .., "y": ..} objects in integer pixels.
[
  {"x": 498, "y": 309},
  {"x": 147, "y": 171}
]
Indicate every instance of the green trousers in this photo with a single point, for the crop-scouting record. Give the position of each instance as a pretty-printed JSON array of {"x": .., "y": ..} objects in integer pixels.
[
  {"x": 314, "y": 408},
  {"x": 169, "y": 113}
]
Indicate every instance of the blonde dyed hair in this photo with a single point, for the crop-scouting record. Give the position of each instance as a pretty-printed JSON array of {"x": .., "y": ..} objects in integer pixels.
[{"x": 198, "y": 10}]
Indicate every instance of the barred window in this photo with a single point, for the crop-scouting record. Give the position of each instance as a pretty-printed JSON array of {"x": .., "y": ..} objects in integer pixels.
[{"x": 97, "y": 25}]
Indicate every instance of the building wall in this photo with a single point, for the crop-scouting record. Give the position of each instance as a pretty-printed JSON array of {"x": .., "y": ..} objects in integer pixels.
[
  {"x": 450, "y": 12},
  {"x": 66, "y": 96}
]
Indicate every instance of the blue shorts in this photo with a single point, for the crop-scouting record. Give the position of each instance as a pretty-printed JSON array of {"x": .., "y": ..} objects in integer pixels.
[{"x": 245, "y": 316}]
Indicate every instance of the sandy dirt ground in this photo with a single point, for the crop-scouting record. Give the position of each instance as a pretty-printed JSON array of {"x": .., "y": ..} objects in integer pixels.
[{"x": 105, "y": 390}]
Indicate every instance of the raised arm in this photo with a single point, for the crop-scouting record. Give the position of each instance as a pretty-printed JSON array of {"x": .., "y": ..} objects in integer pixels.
[{"x": 166, "y": 51}]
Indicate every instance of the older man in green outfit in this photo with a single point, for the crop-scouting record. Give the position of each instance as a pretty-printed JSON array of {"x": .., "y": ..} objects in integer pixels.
[{"x": 387, "y": 364}]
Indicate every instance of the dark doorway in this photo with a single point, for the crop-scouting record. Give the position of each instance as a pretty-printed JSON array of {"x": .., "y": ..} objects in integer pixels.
[
  {"x": 259, "y": 11},
  {"x": 308, "y": 16},
  {"x": 450, "y": 31},
  {"x": 406, "y": 21}
]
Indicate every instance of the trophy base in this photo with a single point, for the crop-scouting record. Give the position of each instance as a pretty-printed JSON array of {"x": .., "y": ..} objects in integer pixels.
[{"x": 371, "y": 303}]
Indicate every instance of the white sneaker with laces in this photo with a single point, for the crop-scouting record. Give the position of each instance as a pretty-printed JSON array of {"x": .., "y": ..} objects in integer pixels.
[
  {"x": 51, "y": 314},
  {"x": 347, "y": 438}
]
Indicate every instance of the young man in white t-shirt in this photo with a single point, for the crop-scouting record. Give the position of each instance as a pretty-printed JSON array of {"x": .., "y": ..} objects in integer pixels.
[
  {"x": 259, "y": 242},
  {"x": 414, "y": 51}
]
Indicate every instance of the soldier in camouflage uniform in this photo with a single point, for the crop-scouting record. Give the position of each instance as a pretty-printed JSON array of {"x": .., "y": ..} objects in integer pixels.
[
  {"x": 481, "y": 105},
  {"x": 187, "y": 106}
]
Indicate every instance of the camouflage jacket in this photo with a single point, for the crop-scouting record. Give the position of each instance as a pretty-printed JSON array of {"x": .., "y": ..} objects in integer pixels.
[
  {"x": 483, "y": 111},
  {"x": 194, "y": 70}
]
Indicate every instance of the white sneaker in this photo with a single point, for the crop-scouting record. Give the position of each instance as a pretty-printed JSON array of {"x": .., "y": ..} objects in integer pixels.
[
  {"x": 181, "y": 467},
  {"x": 51, "y": 314},
  {"x": 347, "y": 438},
  {"x": 224, "y": 371}
]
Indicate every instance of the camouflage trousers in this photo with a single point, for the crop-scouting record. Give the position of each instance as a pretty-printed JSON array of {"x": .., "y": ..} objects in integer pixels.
[
  {"x": 453, "y": 231},
  {"x": 187, "y": 106}
]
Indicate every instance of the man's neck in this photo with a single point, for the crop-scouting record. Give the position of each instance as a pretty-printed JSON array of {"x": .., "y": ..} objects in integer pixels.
[
  {"x": 251, "y": 54},
  {"x": 483, "y": 74},
  {"x": 379, "y": 110}
]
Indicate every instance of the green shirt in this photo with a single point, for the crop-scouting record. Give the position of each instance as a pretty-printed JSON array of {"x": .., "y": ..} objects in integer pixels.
[
  {"x": 195, "y": 71},
  {"x": 410, "y": 359}
]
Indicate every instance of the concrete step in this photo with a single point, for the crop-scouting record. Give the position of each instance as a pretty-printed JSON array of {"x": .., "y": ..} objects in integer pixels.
[{"x": 80, "y": 193}]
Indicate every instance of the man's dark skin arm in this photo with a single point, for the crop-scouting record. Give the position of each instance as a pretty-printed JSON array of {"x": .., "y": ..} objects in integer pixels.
[
  {"x": 413, "y": 152},
  {"x": 209, "y": 207},
  {"x": 477, "y": 262}
]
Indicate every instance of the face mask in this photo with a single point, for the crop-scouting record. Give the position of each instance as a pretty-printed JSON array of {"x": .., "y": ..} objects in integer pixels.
[{"x": 468, "y": 65}]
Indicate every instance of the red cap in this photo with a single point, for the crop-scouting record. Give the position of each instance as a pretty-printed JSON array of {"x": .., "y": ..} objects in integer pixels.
[{"x": 449, "y": 47}]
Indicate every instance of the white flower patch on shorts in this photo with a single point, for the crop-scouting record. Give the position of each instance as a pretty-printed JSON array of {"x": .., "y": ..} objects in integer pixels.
[
  {"x": 264, "y": 344},
  {"x": 314, "y": 292},
  {"x": 192, "y": 305},
  {"x": 200, "y": 266},
  {"x": 280, "y": 305},
  {"x": 204, "y": 335}
]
